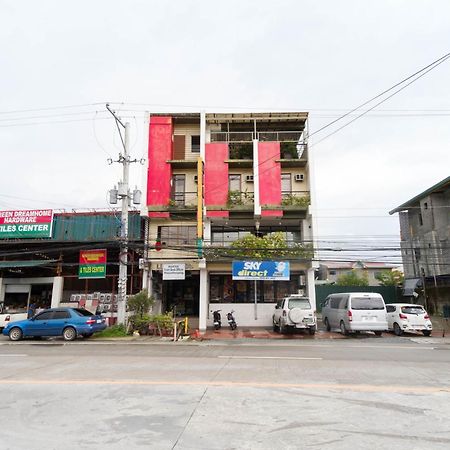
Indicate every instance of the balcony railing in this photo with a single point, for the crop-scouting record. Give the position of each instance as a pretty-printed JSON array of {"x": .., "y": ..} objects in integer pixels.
[
  {"x": 249, "y": 136},
  {"x": 183, "y": 199},
  {"x": 239, "y": 198},
  {"x": 295, "y": 198}
]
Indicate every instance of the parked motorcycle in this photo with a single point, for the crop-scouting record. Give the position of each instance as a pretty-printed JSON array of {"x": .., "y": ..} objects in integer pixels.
[
  {"x": 217, "y": 320},
  {"x": 231, "y": 320}
]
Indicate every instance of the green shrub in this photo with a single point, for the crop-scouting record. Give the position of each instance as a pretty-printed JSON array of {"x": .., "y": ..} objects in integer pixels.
[{"x": 113, "y": 331}]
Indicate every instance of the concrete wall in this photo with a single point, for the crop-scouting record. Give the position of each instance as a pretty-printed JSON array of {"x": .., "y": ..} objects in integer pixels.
[{"x": 244, "y": 314}]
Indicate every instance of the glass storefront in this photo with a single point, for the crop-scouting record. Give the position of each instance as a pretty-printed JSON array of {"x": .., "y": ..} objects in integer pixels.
[{"x": 222, "y": 289}]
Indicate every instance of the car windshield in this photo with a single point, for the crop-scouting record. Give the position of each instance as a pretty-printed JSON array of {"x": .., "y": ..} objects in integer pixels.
[
  {"x": 302, "y": 303},
  {"x": 82, "y": 312},
  {"x": 413, "y": 310},
  {"x": 367, "y": 303}
]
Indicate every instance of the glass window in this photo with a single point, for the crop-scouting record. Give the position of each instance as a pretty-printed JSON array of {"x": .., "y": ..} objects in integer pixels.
[
  {"x": 334, "y": 302},
  {"x": 413, "y": 310},
  {"x": 234, "y": 182},
  {"x": 367, "y": 303},
  {"x": 177, "y": 235},
  {"x": 302, "y": 303},
  {"x": 61, "y": 315},
  {"x": 286, "y": 185},
  {"x": 195, "y": 144},
  {"x": 178, "y": 188},
  {"x": 390, "y": 308},
  {"x": 82, "y": 312},
  {"x": 46, "y": 315}
]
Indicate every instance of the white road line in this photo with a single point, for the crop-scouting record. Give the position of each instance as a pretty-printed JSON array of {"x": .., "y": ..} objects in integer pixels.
[
  {"x": 267, "y": 357},
  {"x": 13, "y": 355}
]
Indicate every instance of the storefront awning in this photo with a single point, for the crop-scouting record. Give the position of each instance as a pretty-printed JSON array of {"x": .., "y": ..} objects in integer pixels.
[
  {"x": 28, "y": 263},
  {"x": 409, "y": 286}
]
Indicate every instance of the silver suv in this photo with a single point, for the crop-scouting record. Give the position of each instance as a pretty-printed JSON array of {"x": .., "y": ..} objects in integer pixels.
[{"x": 292, "y": 312}]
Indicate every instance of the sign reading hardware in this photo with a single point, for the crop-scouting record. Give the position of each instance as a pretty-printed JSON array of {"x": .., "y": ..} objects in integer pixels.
[
  {"x": 32, "y": 223},
  {"x": 92, "y": 264},
  {"x": 261, "y": 270},
  {"x": 174, "y": 271}
]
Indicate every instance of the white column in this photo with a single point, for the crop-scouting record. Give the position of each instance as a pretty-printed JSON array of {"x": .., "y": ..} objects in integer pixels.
[
  {"x": 2, "y": 290},
  {"x": 204, "y": 299},
  {"x": 257, "y": 207},
  {"x": 57, "y": 291},
  {"x": 311, "y": 287}
]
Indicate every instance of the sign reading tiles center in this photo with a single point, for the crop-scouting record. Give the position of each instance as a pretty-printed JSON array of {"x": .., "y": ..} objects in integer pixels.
[
  {"x": 92, "y": 264},
  {"x": 31, "y": 223},
  {"x": 261, "y": 270},
  {"x": 174, "y": 271}
]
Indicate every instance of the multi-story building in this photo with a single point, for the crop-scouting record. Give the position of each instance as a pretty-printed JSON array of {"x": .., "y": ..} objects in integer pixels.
[
  {"x": 213, "y": 179},
  {"x": 425, "y": 239}
]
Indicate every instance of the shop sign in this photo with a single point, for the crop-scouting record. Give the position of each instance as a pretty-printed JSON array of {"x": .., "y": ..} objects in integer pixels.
[
  {"x": 92, "y": 264},
  {"x": 31, "y": 223},
  {"x": 175, "y": 271},
  {"x": 261, "y": 270}
]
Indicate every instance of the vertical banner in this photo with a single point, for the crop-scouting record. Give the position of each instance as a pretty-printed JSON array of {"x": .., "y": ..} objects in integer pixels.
[{"x": 92, "y": 264}]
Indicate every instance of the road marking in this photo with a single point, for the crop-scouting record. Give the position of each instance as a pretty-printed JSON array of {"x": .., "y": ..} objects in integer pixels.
[
  {"x": 13, "y": 355},
  {"x": 267, "y": 357},
  {"x": 308, "y": 386}
]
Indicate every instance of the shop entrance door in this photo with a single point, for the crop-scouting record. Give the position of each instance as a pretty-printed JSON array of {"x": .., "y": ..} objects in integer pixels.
[{"x": 182, "y": 296}]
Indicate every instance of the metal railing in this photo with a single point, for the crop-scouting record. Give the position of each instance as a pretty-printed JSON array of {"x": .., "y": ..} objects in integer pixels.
[
  {"x": 295, "y": 198},
  {"x": 248, "y": 136},
  {"x": 183, "y": 199}
]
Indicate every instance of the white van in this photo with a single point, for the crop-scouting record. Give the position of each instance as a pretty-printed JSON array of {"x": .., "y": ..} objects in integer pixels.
[{"x": 355, "y": 311}]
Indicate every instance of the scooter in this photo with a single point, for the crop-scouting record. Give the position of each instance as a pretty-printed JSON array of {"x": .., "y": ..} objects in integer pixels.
[
  {"x": 217, "y": 319},
  {"x": 231, "y": 320}
]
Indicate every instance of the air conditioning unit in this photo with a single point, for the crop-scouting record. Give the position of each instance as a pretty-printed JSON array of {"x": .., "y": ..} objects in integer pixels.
[
  {"x": 249, "y": 178},
  {"x": 299, "y": 177},
  {"x": 195, "y": 178}
]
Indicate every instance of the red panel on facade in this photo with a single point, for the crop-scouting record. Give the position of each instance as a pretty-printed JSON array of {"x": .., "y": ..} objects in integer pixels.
[
  {"x": 216, "y": 178},
  {"x": 269, "y": 177},
  {"x": 159, "y": 215},
  {"x": 159, "y": 151}
]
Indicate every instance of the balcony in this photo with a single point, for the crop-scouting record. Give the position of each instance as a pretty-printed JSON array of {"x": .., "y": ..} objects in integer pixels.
[
  {"x": 238, "y": 200},
  {"x": 183, "y": 200}
]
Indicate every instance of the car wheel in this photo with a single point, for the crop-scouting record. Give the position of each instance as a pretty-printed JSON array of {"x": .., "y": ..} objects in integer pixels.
[
  {"x": 275, "y": 326},
  {"x": 312, "y": 331},
  {"x": 15, "y": 334},
  {"x": 343, "y": 329},
  {"x": 327, "y": 324},
  {"x": 87, "y": 335},
  {"x": 69, "y": 334},
  {"x": 426, "y": 332},
  {"x": 378, "y": 333},
  {"x": 397, "y": 330}
]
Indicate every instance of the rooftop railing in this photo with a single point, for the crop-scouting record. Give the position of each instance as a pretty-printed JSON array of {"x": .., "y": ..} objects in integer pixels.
[{"x": 249, "y": 136}]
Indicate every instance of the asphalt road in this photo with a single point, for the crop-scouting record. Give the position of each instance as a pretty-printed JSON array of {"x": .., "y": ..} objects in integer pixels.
[{"x": 248, "y": 394}]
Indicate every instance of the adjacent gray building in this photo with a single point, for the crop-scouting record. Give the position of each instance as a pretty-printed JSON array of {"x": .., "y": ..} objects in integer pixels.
[{"x": 425, "y": 239}]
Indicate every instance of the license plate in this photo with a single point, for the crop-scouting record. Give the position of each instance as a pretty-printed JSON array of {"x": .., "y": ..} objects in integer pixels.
[{"x": 99, "y": 320}]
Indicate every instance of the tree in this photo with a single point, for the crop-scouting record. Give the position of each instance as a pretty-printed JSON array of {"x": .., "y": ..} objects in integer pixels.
[
  {"x": 140, "y": 303},
  {"x": 353, "y": 279},
  {"x": 390, "y": 278}
]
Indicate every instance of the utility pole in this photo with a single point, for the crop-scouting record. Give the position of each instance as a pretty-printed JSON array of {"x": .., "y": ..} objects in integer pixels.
[{"x": 123, "y": 193}]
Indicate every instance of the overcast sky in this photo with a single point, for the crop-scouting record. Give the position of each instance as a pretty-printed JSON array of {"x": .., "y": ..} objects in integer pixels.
[{"x": 325, "y": 57}]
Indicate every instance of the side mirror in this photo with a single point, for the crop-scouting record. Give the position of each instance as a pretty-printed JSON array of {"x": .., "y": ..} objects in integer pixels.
[{"x": 277, "y": 307}]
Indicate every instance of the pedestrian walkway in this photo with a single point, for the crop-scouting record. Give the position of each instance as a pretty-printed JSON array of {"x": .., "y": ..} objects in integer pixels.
[{"x": 264, "y": 333}]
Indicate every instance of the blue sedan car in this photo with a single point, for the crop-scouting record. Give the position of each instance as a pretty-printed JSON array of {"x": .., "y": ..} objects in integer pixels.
[{"x": 66, "y": 322}]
